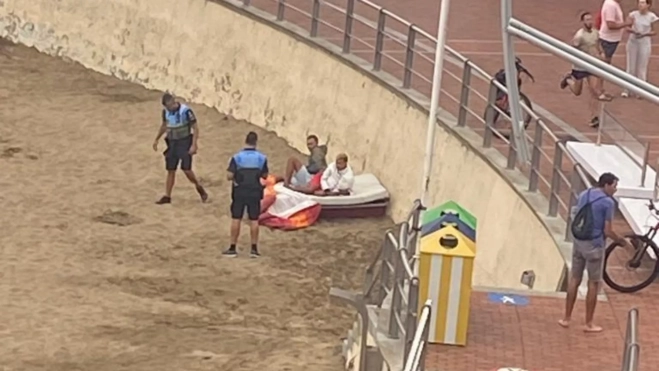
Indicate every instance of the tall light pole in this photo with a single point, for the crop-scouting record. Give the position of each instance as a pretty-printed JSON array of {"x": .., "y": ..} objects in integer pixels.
[{"x": 442, "y": 28}]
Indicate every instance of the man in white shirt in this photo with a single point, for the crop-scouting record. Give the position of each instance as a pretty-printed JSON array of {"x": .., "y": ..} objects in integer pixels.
[{"x": 338, "y": 178}]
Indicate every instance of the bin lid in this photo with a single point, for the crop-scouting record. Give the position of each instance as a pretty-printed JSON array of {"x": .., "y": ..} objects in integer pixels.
[
  {"x": 450, "y": 207},
  {"x": 446, "y": 220},
  {"x": 448, "y": 241}
]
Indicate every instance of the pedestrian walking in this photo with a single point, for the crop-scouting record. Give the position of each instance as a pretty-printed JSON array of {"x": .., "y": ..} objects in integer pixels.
[{"x": 180, "y": 124}]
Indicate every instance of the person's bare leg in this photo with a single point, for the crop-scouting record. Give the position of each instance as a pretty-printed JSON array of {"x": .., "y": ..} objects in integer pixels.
[
  {"x": 576, "y": 86},
  {"x": 169, "y": 183},
  {"x": 292, "y": 166},
  {"x": 306, "y": 189},
  {"x": 235, "y": 231},
  {"x": 570, "y": 300},
  {"x": 254, "y": 231},
  {"x": 591, "y": 303},
  {"x": 193, "y": 179}
]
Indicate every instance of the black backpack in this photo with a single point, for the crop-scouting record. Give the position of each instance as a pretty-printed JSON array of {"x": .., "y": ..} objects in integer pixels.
[{"x": 582, "y": 225}]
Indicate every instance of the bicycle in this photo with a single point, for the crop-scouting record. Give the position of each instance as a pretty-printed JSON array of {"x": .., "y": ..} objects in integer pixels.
[
  {"x": 502, "y": 102},
  {"x": 641, "y": 244}
]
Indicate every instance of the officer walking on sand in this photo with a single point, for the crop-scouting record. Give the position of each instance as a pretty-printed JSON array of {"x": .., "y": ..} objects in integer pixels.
[
  {"x": 180, "y": 124},
  {"x": 246, "y": 169}
]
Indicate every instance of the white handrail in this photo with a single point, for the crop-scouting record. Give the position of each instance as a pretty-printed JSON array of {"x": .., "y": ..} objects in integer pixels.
[{"x": 414, "y": 357}]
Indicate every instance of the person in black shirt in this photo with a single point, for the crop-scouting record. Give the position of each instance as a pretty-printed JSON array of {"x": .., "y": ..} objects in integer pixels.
[
  {"x": 246, "y": 170},
  {"x": 180, "y": 124}
]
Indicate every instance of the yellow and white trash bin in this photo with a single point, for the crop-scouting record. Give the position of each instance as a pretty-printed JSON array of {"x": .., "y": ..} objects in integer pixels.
[{"x": 446, "y": 265}]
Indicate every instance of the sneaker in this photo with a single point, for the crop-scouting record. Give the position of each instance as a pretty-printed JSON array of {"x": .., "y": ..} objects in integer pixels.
[
  {"x": 164, "y": 200},
  {"x": 595, "y": 122},
  {"x": 254, "y": 254},
  {"x": 624, "y": 94},
  {"x": 202, "y": 193},
  {"x": 230, "y": 253}
]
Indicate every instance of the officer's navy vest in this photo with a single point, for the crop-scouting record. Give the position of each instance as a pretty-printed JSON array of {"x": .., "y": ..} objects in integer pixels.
[
  {"x": 178, "y": 126},
  {"x": 249, "y": 166}
]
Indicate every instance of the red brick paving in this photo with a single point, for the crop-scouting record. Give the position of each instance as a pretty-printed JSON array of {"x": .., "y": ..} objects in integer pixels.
[
  {"x": 530, "y": 338},
  {"x": 499, "y": 336}
]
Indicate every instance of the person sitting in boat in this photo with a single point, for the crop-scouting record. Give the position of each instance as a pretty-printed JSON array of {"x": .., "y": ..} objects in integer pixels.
[{"x": 338, "y": 178}]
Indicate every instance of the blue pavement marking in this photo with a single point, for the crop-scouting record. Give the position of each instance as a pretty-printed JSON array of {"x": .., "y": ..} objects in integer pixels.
[{"x": 517, "y": 300}]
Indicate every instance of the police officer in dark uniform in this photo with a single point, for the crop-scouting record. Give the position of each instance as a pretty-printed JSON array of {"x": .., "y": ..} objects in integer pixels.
[
  {"x": 246, "y": 170},
  {"x": 180, "y": 124}
]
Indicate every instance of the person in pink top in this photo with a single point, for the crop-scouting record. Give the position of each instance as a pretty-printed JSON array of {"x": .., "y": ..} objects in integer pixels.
[{"x": 613, "y": 27}]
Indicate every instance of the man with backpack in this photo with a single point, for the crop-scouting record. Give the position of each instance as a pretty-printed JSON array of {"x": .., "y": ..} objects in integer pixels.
[{"x": 590, "y": 227}]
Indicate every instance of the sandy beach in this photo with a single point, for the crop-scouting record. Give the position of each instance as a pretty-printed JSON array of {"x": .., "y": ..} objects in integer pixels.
[{"x": 94, "y": 276}]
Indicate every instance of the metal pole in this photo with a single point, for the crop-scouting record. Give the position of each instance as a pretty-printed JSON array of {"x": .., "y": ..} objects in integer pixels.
[
  {"x": 600, "y": 127},
  {"x": 315, "y": 14},
  {"x": 522, "y": 147},
  {"x": 281, "y": 7},
  {"x": 347, "y": 32},
  {"x": 442, "y": 26},
  {"x": 656, "y": 182},
  {"x": 646, "y": 159}
]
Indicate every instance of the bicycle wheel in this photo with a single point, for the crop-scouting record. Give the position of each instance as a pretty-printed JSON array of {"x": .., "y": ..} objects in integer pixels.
[
  {"x": 630, "y": 270},
  {"x": 527, "y": 116}
]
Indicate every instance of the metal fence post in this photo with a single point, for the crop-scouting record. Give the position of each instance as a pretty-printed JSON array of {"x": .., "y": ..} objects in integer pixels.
[
  {"x": 489, "y": 115},
  {"x": 512, "y": 154},
  {"x": 634, "y": 356},
  {"x": 411, "y": 316},
  {"x": 379, "y": 40},
  {"x": 555, "y": 189},
  {"x": 396, "y": 297},
  {"x": 315, "y": 14},
  {"x": 281, "y": 7},
  {"x": 385, "y": 273},
  {"x": 631, "y": 347},
  {"x": 409, "y": 57},
  {"x": 424, "y": 350},
  {"x": 464, "y": 94},
  {"x": 574, "y": 193},
  {"x": 347, "y": 32},
  {"x": 535, "y": 158}
]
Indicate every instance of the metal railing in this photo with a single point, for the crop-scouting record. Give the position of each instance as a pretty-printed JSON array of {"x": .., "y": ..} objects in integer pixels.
[
  {"x": 417, "y": 355},
  {"x": 398, "y": 47},
  {"x": 392, "y": 272},
  {"x": 391, "y": 276},
  {"x": 631, "y": 348},
  {"x": 629, "y": 143}
]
